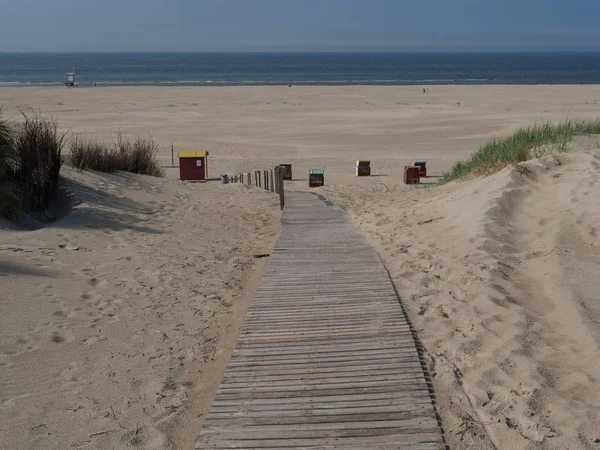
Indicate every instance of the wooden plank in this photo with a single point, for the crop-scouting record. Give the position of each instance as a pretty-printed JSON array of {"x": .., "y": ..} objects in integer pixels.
[
  {"x": 325, "y": 358},
  {"x": 308, "y": 392},
  {"x": 323, "y": 378},
  {"x": 334, "y": 409},
  {"x": 302, "y": 419},
  {"x": 423, "y": 441},
  {"x": 319, "y": 401},
  {"x": 329, "y": 356},
  {"x": 319, "y": 348},
  {"x": 325, "y": 430},
  {"x": 340, "y": 369}
]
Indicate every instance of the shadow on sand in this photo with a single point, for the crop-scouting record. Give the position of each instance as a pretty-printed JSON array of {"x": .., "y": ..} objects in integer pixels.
[
  {"x": 96, "y": 209},
  {"x": 8, "y": 268}
]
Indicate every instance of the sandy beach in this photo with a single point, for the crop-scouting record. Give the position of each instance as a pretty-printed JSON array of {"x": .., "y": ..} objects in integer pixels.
[
  {"x": 330, "y": 127},
  {"x": 118, "y": 318}
]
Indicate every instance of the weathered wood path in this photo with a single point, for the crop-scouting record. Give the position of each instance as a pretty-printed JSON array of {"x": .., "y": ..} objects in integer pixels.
[{"x": 326, "y": 358}]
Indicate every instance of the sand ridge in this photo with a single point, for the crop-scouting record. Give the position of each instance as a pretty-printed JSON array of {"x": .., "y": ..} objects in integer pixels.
[
  {"x": 118, "y": 319},
  {"x": 498, "y": 276}
]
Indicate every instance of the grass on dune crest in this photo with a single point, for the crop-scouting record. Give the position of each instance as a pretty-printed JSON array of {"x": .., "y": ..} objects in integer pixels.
[
  {"x": 526, "y": 143},
  {"x": 10, "y": 196},
  {"x": 30, "y": 161},
  {"x": 31, "y": 158},
  {"x": 136, "y": 156}
]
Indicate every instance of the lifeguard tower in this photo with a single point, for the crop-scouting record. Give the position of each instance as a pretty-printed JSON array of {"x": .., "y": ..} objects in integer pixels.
[{"x": 70, "y": 79}]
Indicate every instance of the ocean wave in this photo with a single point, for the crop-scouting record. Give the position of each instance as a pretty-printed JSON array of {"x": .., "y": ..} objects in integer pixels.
[
  {"x": 30, "y": 83},
  {"x": 265, "y": 82}
]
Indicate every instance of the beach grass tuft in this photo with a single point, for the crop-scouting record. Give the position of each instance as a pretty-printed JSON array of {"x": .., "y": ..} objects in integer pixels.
[
  {"x": 30, "y": 161},
  {"x": 10, "y": 196},
  {"x": 38, "y": 146},
  {"x": 136, "y": 156},
  {"x": 526, "y": 143}
]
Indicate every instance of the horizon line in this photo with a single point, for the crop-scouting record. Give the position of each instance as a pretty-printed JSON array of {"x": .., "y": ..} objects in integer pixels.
[{"x": 275, "y": 52}]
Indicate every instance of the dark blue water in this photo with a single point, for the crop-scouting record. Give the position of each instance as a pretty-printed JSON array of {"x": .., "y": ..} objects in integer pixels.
[{"x": 300, "y": 69}]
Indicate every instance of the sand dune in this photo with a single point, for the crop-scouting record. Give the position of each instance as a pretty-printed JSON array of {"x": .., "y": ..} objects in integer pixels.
[
  {"x": 499, "y": 276},
  {"x": 119, "y": 318}
]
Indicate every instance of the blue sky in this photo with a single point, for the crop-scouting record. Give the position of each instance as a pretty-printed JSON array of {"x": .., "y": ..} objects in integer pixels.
[{"x": 298, "y": 25}]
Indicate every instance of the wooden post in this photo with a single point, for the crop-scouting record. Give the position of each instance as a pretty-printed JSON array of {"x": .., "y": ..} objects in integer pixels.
[
  {"x": 242, "y": 178},
  {"x": 172, "y": 156},
  {"x": 281, "y": 189},
  {"x": 259, "y": 178},
  {"x": 276, "y": 175},
  {"x": 255, "y": 178},
  {"x": 271, "y": 181},
  {"x": 249, "y": 179},
  {"x": 266, "y": 178}
]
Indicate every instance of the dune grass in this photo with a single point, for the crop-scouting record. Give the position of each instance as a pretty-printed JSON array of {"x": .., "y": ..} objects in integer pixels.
[
  {"x": 136, "y": 156},
  {"x": 10, "y": 197},
  {"x": 31, "y": 158},
  {"x": 524, "y": 144},
  {"x": 38, "y": 146},
  {"x": 30, "y": 161}
]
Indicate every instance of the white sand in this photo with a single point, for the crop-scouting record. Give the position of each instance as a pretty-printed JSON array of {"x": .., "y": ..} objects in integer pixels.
[
  {"x": 118, "y": 320},
  {"x": 500, "y": 279},
  {"x": 330, "y": 127},
  {"x": 499, "y": 275}
]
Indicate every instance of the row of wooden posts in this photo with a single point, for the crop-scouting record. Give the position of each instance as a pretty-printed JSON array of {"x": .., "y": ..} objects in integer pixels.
[{"x": 270, "y": 180}]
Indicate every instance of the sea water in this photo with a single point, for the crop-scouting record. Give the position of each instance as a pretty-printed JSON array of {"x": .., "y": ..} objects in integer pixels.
[{"x": 217, "y": 69}]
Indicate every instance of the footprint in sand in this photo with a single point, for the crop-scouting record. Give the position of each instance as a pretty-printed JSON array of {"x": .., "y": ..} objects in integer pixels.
[
  {"x": 23, "y": 345},
  {"x": 11, "y": 402},
  {"x": 144, "y": 437},
  {"x": 91, "y": 341},
  {"x": 5, "y": 360},
  {"x": 65, "y": 313},
  {"x": 61, "y": 336},
  {"x": 57, "y": 337},
  {"x": 68, "y": 373},
  {"x": 69, "y": 380}
]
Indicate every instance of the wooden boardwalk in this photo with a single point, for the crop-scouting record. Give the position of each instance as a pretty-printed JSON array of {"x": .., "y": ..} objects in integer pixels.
[{"x": 326, "y": 358}]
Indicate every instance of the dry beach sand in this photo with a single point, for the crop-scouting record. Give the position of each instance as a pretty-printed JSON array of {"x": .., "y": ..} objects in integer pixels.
[
  {"x": 500, "y": 279},
  {"x": 117, "y": 319}
]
